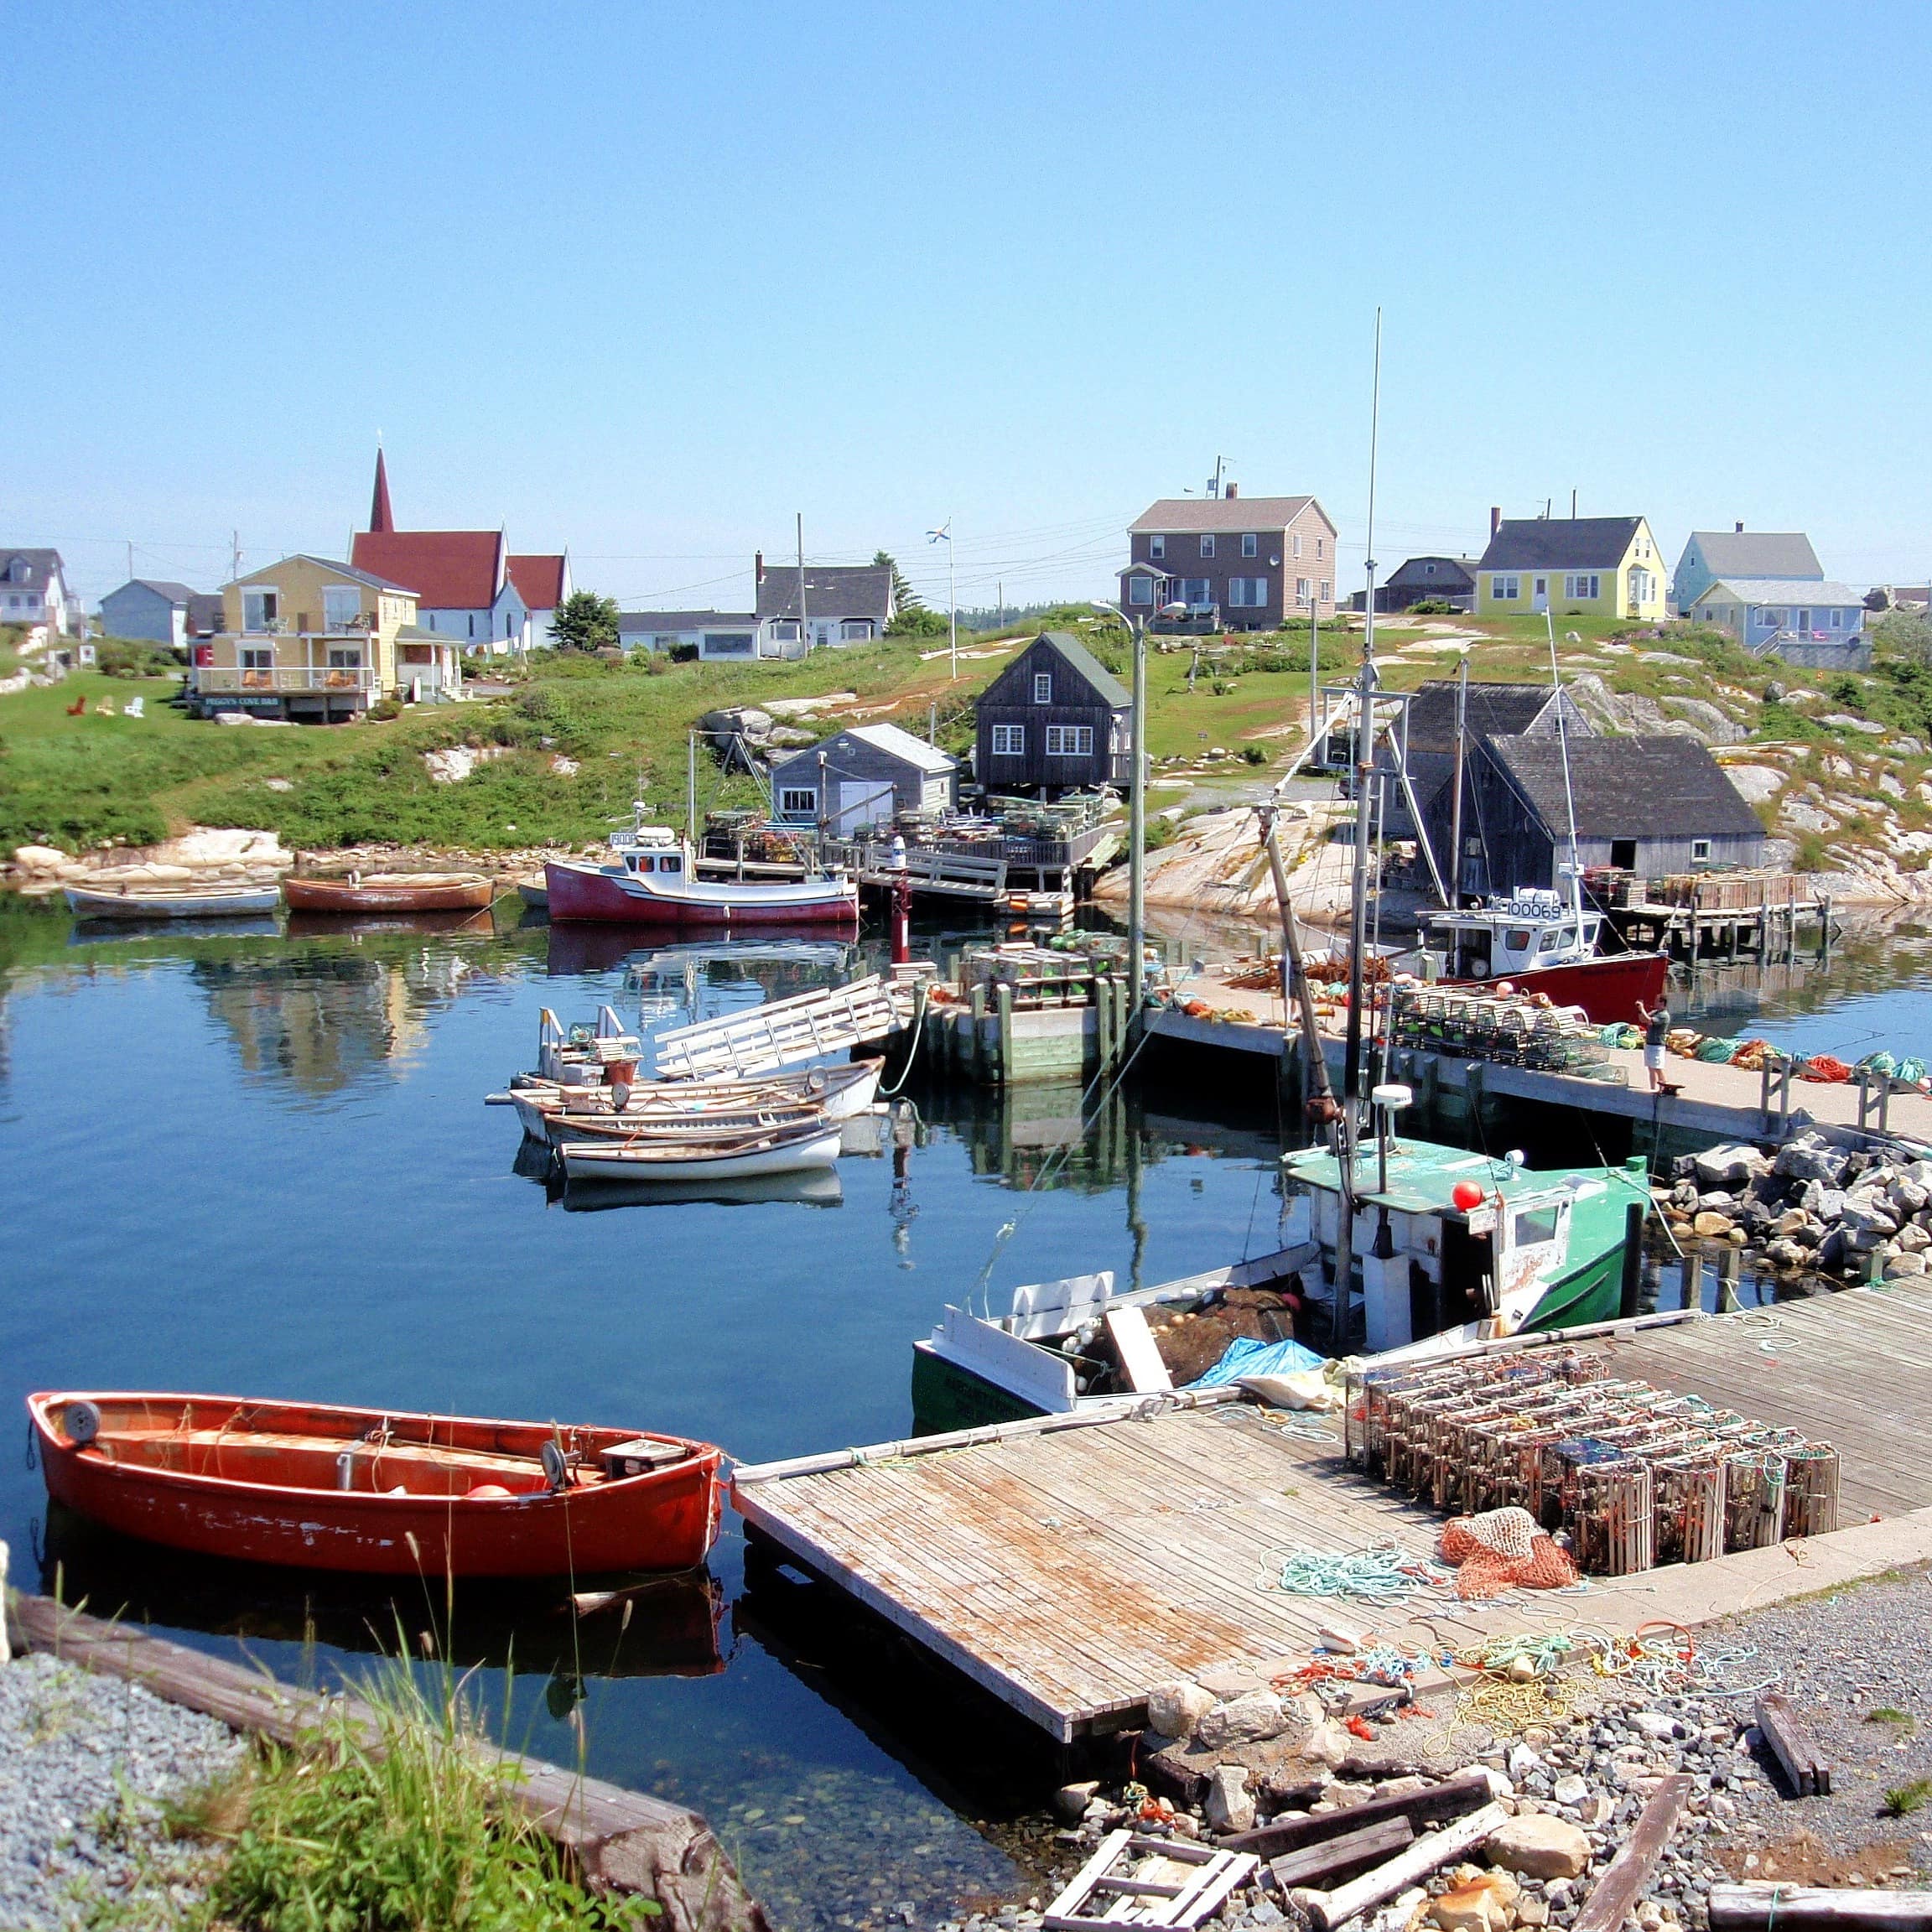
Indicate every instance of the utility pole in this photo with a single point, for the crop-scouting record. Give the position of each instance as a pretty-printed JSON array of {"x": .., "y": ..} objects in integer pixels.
[
  {"x": 1002, "y": 594},
  {"x": 1455, "y": 799},
  {"x": 804, "y": 631},
  {"x": 130, "y": 559},
  {"x": 952, "y": 600},
  {"x": 234, "y": 555}
]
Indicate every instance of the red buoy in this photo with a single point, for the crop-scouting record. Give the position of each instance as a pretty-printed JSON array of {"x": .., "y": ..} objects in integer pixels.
[{"x": 1467, "y": 1194}]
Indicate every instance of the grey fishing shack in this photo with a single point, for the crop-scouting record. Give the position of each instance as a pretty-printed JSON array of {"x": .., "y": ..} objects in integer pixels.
[
  {"x": 1056, "y": 719},
  {"x": 864, "y": 776}
]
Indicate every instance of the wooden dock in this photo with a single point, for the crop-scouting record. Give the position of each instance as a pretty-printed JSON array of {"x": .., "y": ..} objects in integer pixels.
[
  {"x": 787, "y": 1032},
  {"x": 1714, "y": 1102},
  {"x": 1071, "y": 1564}
]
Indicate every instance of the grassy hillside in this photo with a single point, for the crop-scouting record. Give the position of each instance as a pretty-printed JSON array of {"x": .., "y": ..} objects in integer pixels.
[{"x": 574, "y": 742}]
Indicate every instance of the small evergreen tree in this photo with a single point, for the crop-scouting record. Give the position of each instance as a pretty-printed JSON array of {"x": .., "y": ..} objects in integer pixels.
[
  {"x": 584, "y": 621},
  {"x": 904, "y": 596}
]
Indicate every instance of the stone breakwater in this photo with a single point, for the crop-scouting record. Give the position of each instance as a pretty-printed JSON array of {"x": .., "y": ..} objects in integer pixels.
[
  {"x": 1815, "y": 1207},
  {"x": 87, "y": 1763}
]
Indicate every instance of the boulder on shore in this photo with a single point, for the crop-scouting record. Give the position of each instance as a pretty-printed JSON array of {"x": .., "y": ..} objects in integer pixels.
[{"x": 1540, "y": 1846}]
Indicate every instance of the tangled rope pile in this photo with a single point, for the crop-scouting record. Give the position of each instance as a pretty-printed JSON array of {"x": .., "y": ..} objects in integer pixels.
[
  {"x": 1387, "y": 1574},
  {"x": 1504, "y": 1549}
]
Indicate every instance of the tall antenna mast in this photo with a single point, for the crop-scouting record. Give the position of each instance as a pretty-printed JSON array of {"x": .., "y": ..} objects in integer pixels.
[{"x": 1569, "y": 795}]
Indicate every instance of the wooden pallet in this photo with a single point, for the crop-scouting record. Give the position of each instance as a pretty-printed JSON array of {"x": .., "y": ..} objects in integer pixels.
[{"x": 1168, "y": 1883}]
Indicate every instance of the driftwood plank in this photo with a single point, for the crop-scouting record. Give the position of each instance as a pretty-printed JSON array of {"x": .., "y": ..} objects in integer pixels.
[
  {"x": 1759, "y": 1907},
  {"x": 1467, "y": 1791},
  {"x": 1623, "y": 1884},
  {"x": 1342, "y": 1857},
  {"x": 1794, "y": 1745},
  {"x": 1329, "y": 1909},
  {"x": 623, "y": 1840}
]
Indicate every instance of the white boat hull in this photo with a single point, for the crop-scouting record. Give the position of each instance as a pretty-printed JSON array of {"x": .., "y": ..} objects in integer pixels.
[
  {"x": 239, "y": 902},
  {"x": 585, "y": 1161},
  {"x": 842, "y": 1093}
]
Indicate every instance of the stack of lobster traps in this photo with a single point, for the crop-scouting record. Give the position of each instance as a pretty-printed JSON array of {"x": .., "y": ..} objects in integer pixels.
[
  {"x": 1509, "y": 1030},
  {"x": 1637, "y": 1475}
]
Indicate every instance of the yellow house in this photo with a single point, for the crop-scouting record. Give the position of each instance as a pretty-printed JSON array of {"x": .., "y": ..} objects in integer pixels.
[
  {"x": 1590, "y": 566},
  {"x": 318, "y": 643}
]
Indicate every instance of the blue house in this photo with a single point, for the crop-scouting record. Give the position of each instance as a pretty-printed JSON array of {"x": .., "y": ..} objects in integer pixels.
[
  {"x": 1810, "y": 623},
  {"x": 1710, "y": 554}
]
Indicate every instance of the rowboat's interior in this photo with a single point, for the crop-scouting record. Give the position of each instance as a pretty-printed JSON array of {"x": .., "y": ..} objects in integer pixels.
[{"x": 320, "y": 1450}]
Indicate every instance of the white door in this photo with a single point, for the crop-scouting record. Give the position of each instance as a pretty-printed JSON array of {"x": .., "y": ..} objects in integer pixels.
[
  {"x": 1540, "y": 596},
  {"x": 862, "y": 802}
]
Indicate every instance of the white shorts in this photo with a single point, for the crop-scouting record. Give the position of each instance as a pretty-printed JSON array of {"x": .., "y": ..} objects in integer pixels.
[{"x": 1654, "y": 1058}]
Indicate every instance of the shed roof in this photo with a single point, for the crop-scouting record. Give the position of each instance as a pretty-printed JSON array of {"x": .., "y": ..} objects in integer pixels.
[
  {"x": 1816, "y": 591},
  {"x": 161, "y": 586},
  {"x": 831, "y": 590},
  {"x": 1758, "y": 552},
  {"x": 1110, "y": 687},
  {"x": 1184, "y": 515},
  {"x": 539, "y": 581},
  {"x": 889, "y": 739},
  {"x": 448, "y": 570},
  {"x": 1560, "y": 544},
  {"x": 646, "y": 623},
  {"x": 1493, "y": 711},
  {"x": 1411, "y": 569},
  {"x": 1662, "y": 787}
]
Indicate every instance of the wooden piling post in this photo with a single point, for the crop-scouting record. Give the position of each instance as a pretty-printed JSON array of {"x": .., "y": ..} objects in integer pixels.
[
  {"x": 977, "y": 1050},
  {"x": 1004, "y": 1072},
  {"x": 1694, "y": 1278},
  {"x": 1728, "y": 1259}
]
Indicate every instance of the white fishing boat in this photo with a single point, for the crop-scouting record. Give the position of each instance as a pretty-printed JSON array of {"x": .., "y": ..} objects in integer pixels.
[
  {"x": 838, "y": 1093},
  {"x": 665, "y": 1124},
  {"x": 172, "y": 902},
  {"x": 704, "y": 1157}
]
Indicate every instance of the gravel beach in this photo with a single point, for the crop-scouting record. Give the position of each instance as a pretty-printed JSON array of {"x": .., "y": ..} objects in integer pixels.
[{"x": 84, "y": 1763}]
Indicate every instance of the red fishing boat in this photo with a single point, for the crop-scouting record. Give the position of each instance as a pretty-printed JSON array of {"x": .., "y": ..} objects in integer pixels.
[
  {"x": 380, "y": 1492},
  {"x": 1537, "y": 941}
]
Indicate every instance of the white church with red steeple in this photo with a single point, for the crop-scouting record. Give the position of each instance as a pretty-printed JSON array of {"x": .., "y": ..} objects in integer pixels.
[{"x": 468, "y": 586}]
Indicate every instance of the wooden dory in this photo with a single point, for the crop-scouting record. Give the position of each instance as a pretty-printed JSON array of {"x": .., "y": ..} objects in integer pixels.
[
  {"x": 392, "y": 892},
  {"x": 172, "y": 902},
  {"x": 839, "y": 1092},
  {"x": 724, "y": 1155},
  {"x": 325, "y": 1488}
]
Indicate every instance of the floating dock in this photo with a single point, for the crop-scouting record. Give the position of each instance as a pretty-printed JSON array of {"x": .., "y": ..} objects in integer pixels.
[{"x": 1070, "y": 1564}]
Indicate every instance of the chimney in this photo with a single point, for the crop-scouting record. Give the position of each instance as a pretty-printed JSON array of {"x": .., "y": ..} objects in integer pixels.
[
  {"x": 757, "y": 566},
  {"x": 1740, "y": 525},
  {"x": 1495, "y": 518},
  {"x": 1231, "y": 491}
]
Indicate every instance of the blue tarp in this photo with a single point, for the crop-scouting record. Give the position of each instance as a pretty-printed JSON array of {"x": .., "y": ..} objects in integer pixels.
[{"x": 1245, "y": 1356}]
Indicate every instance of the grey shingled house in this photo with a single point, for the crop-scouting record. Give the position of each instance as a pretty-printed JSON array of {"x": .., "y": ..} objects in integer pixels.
[
  {"x": 1652, "y": 805},
  {"x": 1056, "y": 719},
  {"x": 863, "y": 777}
]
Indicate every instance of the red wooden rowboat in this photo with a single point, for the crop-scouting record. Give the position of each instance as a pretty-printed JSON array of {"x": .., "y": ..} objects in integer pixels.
[
  {"x": 391, "y": 892},
  {"x": 326, "y": 1487}
]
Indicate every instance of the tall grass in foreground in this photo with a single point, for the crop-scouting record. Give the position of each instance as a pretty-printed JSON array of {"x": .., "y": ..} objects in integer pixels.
[{"x": 407, "y": 1830}]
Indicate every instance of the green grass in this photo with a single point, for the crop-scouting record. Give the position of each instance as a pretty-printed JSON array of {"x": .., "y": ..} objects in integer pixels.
[
  {"x": 1889, "y": 1714},
  {"x": 408, "y": 1831},
  {"x": 1902, "y": 1800}
]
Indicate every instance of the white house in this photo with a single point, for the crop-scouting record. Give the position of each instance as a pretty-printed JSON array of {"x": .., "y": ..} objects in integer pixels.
[
  {"x": 34, "y": 590},
  {"x": 840, "y": 605},
  {"x": 713, "y": 635}
]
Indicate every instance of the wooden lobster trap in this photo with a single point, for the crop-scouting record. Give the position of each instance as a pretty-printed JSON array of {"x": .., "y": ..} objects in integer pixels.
[
  {"x": 1811, "y": 1490},
  {"x": 1613, "y": 1516},
  {"x": 1688, "y": 1497},
  {"x": 1754, "y": 1499}
]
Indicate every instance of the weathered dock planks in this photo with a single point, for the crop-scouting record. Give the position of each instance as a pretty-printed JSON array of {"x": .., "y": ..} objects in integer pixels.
[{"x": 1071, "y": 1570}]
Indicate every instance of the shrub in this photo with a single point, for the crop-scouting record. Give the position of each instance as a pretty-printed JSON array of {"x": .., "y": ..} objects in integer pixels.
[
  {"x": 383, "y": 709},
  {"x": 1254, "y": 754}
]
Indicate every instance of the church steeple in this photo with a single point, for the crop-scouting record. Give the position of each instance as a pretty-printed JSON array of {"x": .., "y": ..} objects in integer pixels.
[{"x": 379, "y": 519}]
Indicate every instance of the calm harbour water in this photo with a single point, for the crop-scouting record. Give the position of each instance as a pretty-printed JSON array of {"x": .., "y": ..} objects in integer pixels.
[{"x": 259, "y": 1163}]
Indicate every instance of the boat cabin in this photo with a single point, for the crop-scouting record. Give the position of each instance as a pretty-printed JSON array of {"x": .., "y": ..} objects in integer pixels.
[
  {"x": 1532, "y": 929},
  {"x": 578, "y": 1055},
  {"x": 1447, "y": 1240}
]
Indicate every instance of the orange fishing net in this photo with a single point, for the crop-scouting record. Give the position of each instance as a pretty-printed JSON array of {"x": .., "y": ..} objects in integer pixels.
[{"x": 1504, "y": 1550}]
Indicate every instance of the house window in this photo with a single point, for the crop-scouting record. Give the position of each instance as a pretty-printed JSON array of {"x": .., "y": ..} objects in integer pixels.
[
  {"x": 785, "y": 630},
  {"x": 1428, "y": 569},
  {"x": 1250, "y": 545},
  {"x": 1042, "y": 688},
  {"x": 1297, "y": 542},
  {"x": 1069, "y": 740},
  {"x": 1582, "y": 585},
  {"x": 856, "y": 630},
  {"x": 798, "y": 800},
  {"x": 1837, "y": 619},
  {"x": 1700, "y": 849},
  {"x": 1139, "y": 590},
  {"x": 1250, "y": 593},
  {"x": 1505, "y": 589},
  {"x": 1009, "y": 741},
  {"x": 1327, "y": 587},
  {"x": 340, "y": 659},
  {"x": 261, "y": 610},
  {"x": 1804, "y": 620},
  {"x": 1302, "y": 587},
  {"x": 257, "y": 660},
  {"x": 341, "y": 605},
  {"x": 1206, "y": 545},
  {"x": 1198, "y": 592},
  {"x": 1318, "y": 551},
  {"x": 1156, "y": 548}
]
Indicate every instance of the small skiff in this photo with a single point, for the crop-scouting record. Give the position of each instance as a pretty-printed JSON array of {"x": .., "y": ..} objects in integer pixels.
[
  {"x": 839, "y": 1092},
  {"x": 325, "y": 1488},
  {"x": 392, "y": 892},
  {"x": 708, "y": 1157},
  {"x": 657, "y": 1125},
  {"x": 172, "y": 902}
]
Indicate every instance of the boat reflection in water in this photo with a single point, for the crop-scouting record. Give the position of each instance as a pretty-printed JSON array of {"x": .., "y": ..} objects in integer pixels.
[
  {"x": 351, "y": 925},
  {"x": 661, "y": 1626},
  {"x": 101, "y": 931}
]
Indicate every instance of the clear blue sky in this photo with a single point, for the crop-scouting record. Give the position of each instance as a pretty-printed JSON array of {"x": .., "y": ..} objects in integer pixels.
[{"x": 646, "y": 280}]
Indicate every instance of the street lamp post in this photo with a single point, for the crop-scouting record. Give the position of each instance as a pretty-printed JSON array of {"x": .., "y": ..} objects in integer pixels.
[{"x": 1136, "y": 810}]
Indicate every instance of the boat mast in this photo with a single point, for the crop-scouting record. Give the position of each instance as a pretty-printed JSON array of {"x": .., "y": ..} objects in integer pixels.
[
  {"x": 1319, "y": 1104},
  {"x": 1358, "y": 907},
  {"x": 1569, "y": 796},
  {"x": 1456, "y": 796},
  {"x": 691, "y": 789}
]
